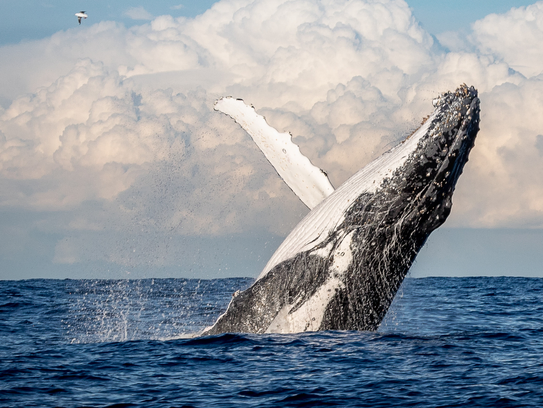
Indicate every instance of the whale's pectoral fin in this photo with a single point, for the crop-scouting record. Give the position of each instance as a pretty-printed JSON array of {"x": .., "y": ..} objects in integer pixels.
[{"x": 307, "y": 181}]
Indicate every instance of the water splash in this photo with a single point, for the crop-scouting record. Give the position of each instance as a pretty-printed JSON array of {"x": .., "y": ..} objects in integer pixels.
[{"x": 147, "y": 309}]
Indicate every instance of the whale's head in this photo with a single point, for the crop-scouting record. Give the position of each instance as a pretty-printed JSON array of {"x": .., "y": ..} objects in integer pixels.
[{"x": 423, "y": 185}]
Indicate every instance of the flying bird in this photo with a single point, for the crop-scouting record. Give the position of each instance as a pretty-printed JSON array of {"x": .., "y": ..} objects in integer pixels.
[{"x": 80, "y": 15}]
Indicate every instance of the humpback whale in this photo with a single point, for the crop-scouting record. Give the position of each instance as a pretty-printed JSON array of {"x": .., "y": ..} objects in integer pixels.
[{"x": 341, "y": 266}]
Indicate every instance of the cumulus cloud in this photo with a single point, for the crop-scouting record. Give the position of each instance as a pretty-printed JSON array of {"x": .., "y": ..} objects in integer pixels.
[
  {"x": 118, "y": 131},
  {"x": 138, "y": 13},
  {"x": 514, "y": 37},
  {"x": 503, "y": 185}
]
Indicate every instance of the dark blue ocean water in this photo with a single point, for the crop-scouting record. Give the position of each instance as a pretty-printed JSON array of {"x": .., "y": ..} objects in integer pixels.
[{"x": 446, "y": 342}]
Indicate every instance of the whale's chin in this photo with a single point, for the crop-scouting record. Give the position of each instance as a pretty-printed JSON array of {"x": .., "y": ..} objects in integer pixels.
[{"x": 342, "y": 265}]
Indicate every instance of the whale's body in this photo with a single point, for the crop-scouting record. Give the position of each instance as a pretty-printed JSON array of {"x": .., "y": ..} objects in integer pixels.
[{"x": 342, "y": 265}]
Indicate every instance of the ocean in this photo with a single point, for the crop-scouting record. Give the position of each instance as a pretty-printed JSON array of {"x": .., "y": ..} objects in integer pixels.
[{"x": 446, "y": 342}]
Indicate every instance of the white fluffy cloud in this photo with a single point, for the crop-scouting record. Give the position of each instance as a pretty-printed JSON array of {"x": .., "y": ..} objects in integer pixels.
[
  {"x": 114, "y": 127},
  {"x": 514, "y": 37},
  {"x": 138, "y": 13}
]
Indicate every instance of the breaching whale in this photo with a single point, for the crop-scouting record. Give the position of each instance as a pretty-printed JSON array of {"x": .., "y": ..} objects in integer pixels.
[{"x": 341, "y": 266}]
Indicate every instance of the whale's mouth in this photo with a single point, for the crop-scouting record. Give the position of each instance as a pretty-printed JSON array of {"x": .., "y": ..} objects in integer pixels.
[
  {"x": 444, "y": 148},
  {"x": 459, "y": 112},
  {"x": 455, "y": 133},
  {"x": 465, "y": 138}
]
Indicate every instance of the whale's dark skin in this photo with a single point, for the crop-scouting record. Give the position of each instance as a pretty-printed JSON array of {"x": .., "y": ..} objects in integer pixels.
[{"x": 386, "y": 228}]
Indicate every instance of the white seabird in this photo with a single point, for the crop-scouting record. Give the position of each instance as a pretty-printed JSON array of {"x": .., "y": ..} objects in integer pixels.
[{"x": 80, "y": 15}]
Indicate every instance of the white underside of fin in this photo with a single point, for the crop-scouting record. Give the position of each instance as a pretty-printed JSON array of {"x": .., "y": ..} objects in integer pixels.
[{"x": 307, "y": 181}]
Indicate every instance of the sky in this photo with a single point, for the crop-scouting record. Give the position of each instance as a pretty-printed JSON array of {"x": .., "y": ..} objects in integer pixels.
[{"x": 113, "y": 163}]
